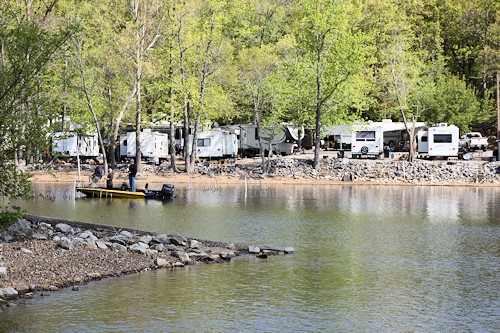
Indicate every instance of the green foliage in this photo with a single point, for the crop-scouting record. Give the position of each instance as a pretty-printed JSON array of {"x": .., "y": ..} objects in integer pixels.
[
  {"x": 9, "y": 215},
  {"x": 451, "y": 102},
  {"x": 15, "y": 183}
]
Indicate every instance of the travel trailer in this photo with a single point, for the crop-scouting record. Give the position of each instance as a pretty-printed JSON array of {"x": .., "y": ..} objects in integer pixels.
[
  {"x": 154, "y": 146},
  {"x": 283, "y": 138},
  {"x": 394, "y": 135},
  {"x": 70, "y": 144},
  {"x": 367, "y": 140},
  {"x": 439, "y": 141},
  {"x": 215, "y": 143}
]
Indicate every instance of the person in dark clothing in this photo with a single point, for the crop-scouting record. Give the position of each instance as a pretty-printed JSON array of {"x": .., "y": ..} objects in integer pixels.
[
  {"x": 109, "y": 181},
  {"x": 97, "y": 175},
  {"x": 132, "y": 172}
]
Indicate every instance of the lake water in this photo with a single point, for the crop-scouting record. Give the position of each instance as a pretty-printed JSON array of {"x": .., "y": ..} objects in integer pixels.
[{"x": 368, "y": 259}]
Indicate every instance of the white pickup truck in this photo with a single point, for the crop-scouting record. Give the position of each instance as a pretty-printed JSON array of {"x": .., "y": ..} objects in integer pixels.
[{"x": 473, "y": 141}]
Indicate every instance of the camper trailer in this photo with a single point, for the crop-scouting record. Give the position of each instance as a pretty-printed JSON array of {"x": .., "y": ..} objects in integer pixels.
[
  {"x": 215, "y": 143},
  {"x": 440, "y": 141},
  {"x": 283, "y": 139},
  {"x": 422, "y": 141},
  {"x": 154, "y": 146},
  {"x": 70, "y": 144},
  {"x": 367, "y": 140},
  {"x": 394, "y": 136}
]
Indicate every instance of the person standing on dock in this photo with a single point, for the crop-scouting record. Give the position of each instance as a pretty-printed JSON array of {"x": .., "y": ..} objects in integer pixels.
[
  {"x": 132, "y": 172},
  {"x": 109, "y": 181}
]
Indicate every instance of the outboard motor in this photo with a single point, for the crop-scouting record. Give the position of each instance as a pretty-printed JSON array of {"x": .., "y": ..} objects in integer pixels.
[{"x": 167, "y": 191}]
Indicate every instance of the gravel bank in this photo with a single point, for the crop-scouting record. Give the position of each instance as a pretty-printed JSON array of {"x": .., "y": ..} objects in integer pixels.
[{"x": 40, "y": 255}]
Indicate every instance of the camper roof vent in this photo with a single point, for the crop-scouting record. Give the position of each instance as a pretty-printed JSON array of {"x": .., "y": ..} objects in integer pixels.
[
  {"x": 443, "y": 124},
  {"x": 387, "y": 120}
]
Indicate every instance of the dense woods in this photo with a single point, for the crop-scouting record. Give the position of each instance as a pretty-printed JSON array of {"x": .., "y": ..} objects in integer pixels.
[{"x": 111, "y": 63}]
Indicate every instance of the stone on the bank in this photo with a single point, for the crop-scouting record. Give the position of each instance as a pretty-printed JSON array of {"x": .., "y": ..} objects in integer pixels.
[
  {"x": 119, "y": 247},
  {"x": 161, "y": 239},
  {"x": 160, "y": 262},
  {"x": 194, "y": 244},
  {"x": 56, "y": 239},
  {"x": 230, "y": 246},
  {"x": 126, "y": 234},
  {"x": 158, "y": 247},
  {"x": 8, "y": 293},
  {"x": 202, "y": 256},
  {"x": 145, "y": 239},
  {"x": 3, "y": 272},
  {"x": 288, "y": 250},
  {"x": 26, "y": 251},
  {"x": 20, "y": 227},
  {"x": 101, "y": 245},
  {"x": 253, "y": 249},
  {"x": 39, "y": 235},
  {"x": 22, "y": 289},
  {"x": 177, "y": 240},
  {"x": 64, "y": 228},
  {"x": 91, "y": 244},
  {"x": 227, "y": 255},
  {"x": 120, "y": 240},
  {"x": 66, "y": 243},
  {"x": 87, "y": 234},
  {"x": 138, "y": 248},
  {"x": 94, "y": 275},
  {"x": 184, "y": 257},
  {"x": 214, "y": 256},
  {"x": 7, "y": 237}
]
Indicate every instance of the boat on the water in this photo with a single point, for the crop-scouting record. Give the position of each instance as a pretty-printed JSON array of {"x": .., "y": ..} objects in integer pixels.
[{"x": 166, "y": 192}]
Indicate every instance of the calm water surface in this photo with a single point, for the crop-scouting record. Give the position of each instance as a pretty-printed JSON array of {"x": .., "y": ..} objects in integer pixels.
[{"x": 368, "y": 259}]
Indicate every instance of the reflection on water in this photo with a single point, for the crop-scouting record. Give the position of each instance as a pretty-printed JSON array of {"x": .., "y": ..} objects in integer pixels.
[{"x": 383, "y": 259}]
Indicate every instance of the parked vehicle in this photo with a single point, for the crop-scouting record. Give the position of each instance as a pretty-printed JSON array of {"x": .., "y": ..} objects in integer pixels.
[
  {"x": 473, "y": 141},
  {"x": 394, "y": 135},
  {"x": 439, "y": 141},
  {"x": 367, "y": 140},
  {"x": 70, "y": 144},
  {"x": 154, "y": 146},
  {"x": 215, "y": 143},
  {"x": 282, "y": 139}
]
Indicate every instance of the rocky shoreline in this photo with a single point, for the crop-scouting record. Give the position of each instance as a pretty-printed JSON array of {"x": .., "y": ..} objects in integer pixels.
[
  {"x": 40, "y": 255},
  {"x": 296, "y": 169}
]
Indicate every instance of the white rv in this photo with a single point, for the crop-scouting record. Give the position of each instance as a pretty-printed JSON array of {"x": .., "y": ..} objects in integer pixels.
[
  {"x": 70, "y": 144},
  {"x": 422, "y": 141},
  {"x": 282, "y": 138},
  {"x": 154, "y": 146},
  {"x": 215, "y": 144},
  {"x": 367, "y": 140},
  {"x": 442, "y": 141}
]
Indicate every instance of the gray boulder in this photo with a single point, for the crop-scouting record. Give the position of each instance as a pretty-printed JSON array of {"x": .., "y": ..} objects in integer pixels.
[
  {"x": 64, "y": 228},
  {"x": 8, "y": 293},
  {"x": 3, "y": 272}
]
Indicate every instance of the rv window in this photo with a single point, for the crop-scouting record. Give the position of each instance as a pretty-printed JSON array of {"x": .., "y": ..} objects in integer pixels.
[
  {"x": 442, "y": 138},
  {"x": 424, "y": 138},
  {"x": 204, "y": 142},
  {"x": 125, "y": 143},
  {"x": 365, "y": 136},
  {"x": 256, "y": 133}
]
